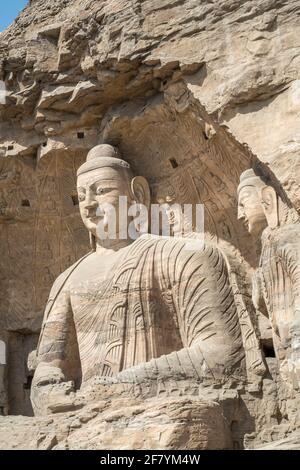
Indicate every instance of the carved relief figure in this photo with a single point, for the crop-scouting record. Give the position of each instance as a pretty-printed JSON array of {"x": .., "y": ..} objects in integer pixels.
[
  {"x": 135, "y": 312},
  {"x": 276, "y": 284}
]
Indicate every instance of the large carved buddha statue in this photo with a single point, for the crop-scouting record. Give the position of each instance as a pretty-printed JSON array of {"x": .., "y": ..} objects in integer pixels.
[
  {"x": 276, "y": 284},
  {"x": 135, "y": 312}
]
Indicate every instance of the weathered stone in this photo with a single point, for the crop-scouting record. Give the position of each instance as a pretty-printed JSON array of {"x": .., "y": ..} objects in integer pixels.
[
  {"x": 163, "y": 424},
  {"x": 193, "y": 94}
]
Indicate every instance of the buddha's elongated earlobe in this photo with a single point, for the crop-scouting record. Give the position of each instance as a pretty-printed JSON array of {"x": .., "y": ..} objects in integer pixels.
[
  {"x": 141, "y": 195},
  {"x": 140, "y": 190},
  {"x": 269, "y": 201}
]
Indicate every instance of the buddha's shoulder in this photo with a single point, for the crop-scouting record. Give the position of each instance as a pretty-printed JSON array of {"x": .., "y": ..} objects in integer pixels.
[
  {"x": 286, "y": 237},
  {"x": 290, "y": 232},
  {"x": 64, "y": 277},
  {"x": 175, "y": 247}
]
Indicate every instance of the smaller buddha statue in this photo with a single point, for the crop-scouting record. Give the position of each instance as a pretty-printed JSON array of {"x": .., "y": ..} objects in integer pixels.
[{"x": 276, "y": 284}]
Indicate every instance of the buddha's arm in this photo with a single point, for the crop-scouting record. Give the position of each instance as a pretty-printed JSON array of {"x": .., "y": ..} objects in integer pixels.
[
  {"x": 203, "y": 300},
  {"x": 258, "y": 298},
  {"x": 294, "y": 269},
  {"x": 290, "y": 256},
  {"x": 53, "y": 378},
  {"x": 55, "y": 337}
]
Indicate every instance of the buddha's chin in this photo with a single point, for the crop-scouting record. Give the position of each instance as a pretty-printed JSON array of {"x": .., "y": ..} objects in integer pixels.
[
  {"x": 255, "y": 229},
  {"x": 91, "y": 226}
]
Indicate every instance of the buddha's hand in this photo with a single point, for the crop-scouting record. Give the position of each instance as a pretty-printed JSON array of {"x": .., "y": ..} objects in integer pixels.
[
  {"x": 47, "y": 374},
  {"x": 167, "y": 367},
  {"x": 144, "y": 372},
  {"x": 50, "y": 393}
]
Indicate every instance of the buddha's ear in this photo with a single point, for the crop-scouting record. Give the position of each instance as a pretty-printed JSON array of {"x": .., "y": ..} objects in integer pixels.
[
  {"x": 269, "y": 202},
  {"x": 140, "y": 190}
]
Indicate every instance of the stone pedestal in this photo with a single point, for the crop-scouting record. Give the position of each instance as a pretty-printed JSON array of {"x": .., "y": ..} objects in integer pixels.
[{"x": 179, "y": 423}]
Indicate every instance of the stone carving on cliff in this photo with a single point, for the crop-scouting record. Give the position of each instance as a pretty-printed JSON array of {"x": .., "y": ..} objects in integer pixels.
[
  {"x": 190, "y": 118},
  {"x": 145, "y": 314},
  {"x": 276, "y": 283}
]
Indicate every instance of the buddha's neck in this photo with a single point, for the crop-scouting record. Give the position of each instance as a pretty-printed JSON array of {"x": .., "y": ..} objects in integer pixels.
[{"x": 105, "y": 247}]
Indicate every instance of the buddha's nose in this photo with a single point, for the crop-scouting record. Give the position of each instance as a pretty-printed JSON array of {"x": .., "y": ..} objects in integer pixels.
[{"x": 90, "y": 201}]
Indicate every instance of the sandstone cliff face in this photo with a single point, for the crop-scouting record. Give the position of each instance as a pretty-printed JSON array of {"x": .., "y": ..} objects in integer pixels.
[
  {"x": 178, "y": 85},
  {"x": 178, "y": 424},
  {"x": 69, "y": 62}
]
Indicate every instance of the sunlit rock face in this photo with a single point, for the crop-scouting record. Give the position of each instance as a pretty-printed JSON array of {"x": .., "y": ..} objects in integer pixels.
[{"x": 192, "y": 94}]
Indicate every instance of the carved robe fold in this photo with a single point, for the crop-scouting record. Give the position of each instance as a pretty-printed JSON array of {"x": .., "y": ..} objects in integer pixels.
[{"x": 279, "y": 276}]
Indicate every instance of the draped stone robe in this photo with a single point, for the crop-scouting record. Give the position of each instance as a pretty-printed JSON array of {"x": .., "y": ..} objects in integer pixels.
[
  {"x": 159, "y": 310},
  {"x": 279, "y": 277}
]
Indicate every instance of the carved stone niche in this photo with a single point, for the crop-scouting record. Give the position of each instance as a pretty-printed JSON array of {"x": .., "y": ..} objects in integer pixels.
[
  {"x": 186, "y": 158},
  {"x": 190, "y": 330}
]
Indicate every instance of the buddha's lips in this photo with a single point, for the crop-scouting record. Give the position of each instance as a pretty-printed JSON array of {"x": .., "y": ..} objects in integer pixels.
[
  {"x": 245, "y": 222},
  {"x": 95, "y": 214},
  {"x": 94, "y": 218}
]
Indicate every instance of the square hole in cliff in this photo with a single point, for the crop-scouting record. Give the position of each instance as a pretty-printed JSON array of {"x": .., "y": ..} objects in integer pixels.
[
  {"x": 25, "y": 203},
  {"x": 173, "y": 162},
  {"x": 80, "y": 135}
]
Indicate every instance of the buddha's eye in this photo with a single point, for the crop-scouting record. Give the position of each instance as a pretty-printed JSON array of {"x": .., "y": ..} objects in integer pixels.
[
  {"x": 101, "y": 191},
  {"x": 81, "y": 197}
]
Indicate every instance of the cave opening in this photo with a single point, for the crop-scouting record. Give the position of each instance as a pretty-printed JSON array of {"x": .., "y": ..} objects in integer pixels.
[{"x": 269, "y": 350}]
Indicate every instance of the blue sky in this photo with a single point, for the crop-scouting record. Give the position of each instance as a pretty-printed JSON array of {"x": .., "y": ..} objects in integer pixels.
[{"x": 9, "y": 10}]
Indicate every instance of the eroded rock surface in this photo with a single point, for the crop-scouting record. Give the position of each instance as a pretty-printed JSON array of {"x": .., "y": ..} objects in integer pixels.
[
  {"x": 165, "y": 424},
  {"x": 179, "y": 87}
]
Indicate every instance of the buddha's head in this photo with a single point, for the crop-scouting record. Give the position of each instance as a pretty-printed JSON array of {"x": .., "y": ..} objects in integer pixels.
[
  {"x": 257, "y": 203},
  {"x": 101, "y": 180}
]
